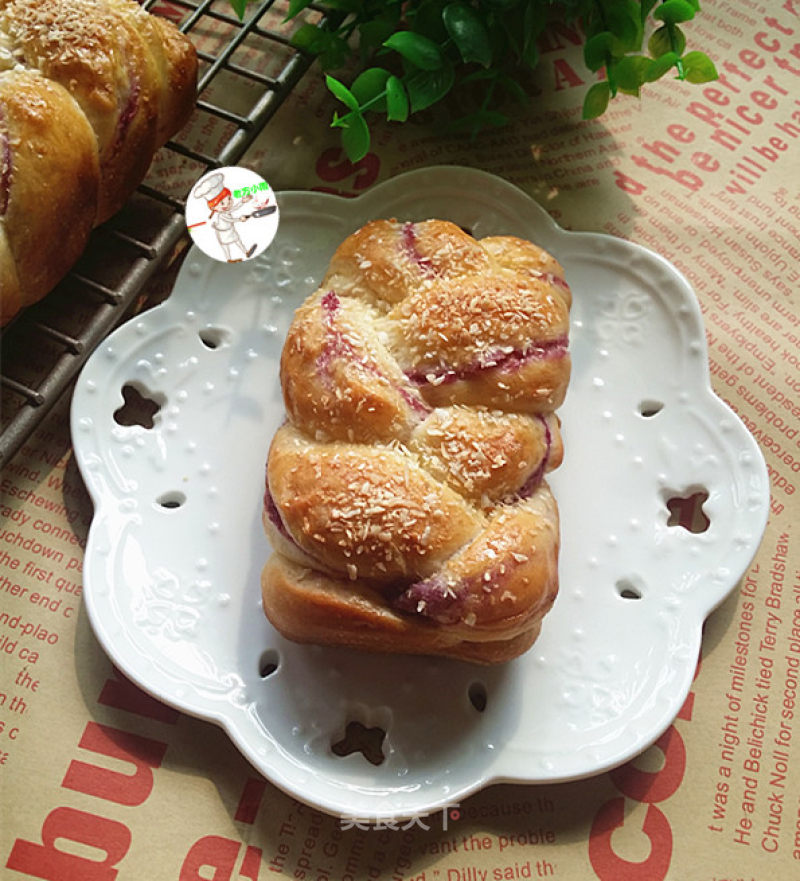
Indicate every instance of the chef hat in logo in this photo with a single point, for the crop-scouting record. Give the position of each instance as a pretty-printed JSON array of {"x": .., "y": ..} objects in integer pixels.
[{"x": 212, "y": 189}]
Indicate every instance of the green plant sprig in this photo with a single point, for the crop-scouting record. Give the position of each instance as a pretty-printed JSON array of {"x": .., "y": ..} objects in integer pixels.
[{"x": 413, "y": 53}]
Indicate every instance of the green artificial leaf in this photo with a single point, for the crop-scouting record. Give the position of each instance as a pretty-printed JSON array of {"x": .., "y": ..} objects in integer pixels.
[
  {"x": 513, "y": 87},
  {"x": 429, "y": 87},
  {"x": 468, "y": 32},
  {"x": 646, "y": 6},
  {"x": 295, "y": 7},
  {"x": 426, "y": 18},
  {"x": 659, "y": 66},
  {"x": 597, "y": 49},
  {"x": 345, "y": 5},
  {"x": 341, "y": 91},
  {"x": 596, "y": 100},
  {"x": 661, "y": 41},
  {"x": 417, "y": 49},
  {"x": 369, "y": 86},
  {"x": 699, "y": 68},
  {"x": 239, "y": 7},
  {"x": 505, "y": 41},
  {"x": 396, "y": 100},
  {"x": 482, "y": 44},
  {"x": 624, "y": 22},
  {"x": 480, "y": 119},
  {"x": 330, "y": 48},
  {"x": 533, "y": 23},
  {"x": 501, "y": 79},
  {"x": 674, "y": 11},
  {"x": 477, "y": 76},
  {"x": 308, "y": 38},
  {"x": 355, "y": 137},
  {"x": 530, "y": 54},
  {"x": 372, "y": 34},
  {"x": 334, "y": 52},
  {"x": 631, "y": 73}
]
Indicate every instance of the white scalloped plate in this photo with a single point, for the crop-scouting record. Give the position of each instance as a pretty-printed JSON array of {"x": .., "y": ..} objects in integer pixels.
[{"x": 172, "y": 565}]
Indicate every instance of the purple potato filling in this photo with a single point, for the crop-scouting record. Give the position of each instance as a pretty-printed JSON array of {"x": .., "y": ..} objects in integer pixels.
[
  {"x": 414, "y": 401},
  {"x": 551, "y": 278},
  {"x": 508, "y": 362},
  {"x": 532, "y": 483},
  {"x": 274, "y": 515},
  {"x": 412, "y": 252},
  {"x": 434, "y": 598},
  {"x": 330, "y": 302},
  {"x": 5, "y": 168},
  {"x": 337, "y": 345},
  {"x": 445, "y": 601},
  {"x": 128, "y": 112}
]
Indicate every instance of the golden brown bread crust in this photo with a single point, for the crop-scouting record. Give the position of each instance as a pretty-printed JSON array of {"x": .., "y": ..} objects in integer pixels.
[
  {"x": 338, "y": 378},
  {"x": 53, "y": 201},
  {"x": 380, "y": 513},
  {"x": 486, "y": 455},
  {"x": 307, "y": 606},
  {"x": 387, "y": 261},
  {"x": 405, "y": 497},
  {"x": 102, "y": 67}
]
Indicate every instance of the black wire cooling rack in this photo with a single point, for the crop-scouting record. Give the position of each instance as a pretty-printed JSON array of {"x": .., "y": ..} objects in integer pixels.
[{"x": 247, "y": 69}]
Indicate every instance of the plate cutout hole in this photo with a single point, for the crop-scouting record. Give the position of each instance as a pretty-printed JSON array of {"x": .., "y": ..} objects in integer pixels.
[
  {"x": 171, "y": 500},
  {"x": 268, "y": 663},
  {"x": 650, "y": 407},
  {"x": 687, "y": 511},
  {"x": 360, "y": 739},
  {"x": 477, "y": 696},
  {"x": 212, "y": 337},
  {"x": 628, "y": 590},
  {"x": 139, "y": 407}
]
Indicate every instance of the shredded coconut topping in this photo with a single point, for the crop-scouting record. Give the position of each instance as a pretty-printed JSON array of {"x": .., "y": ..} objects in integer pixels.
[{"x": 442, "y": 509}]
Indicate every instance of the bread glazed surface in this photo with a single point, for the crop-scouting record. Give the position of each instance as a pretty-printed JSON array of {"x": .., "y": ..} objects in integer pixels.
[
  {"x": 405, "y": 496},
  {"x": 89, "y": 89}
]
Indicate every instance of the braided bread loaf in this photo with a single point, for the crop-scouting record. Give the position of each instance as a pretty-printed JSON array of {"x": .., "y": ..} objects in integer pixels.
[
  {"x": 405, "y": 499},
  {"x": 89, "y": 89}
]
